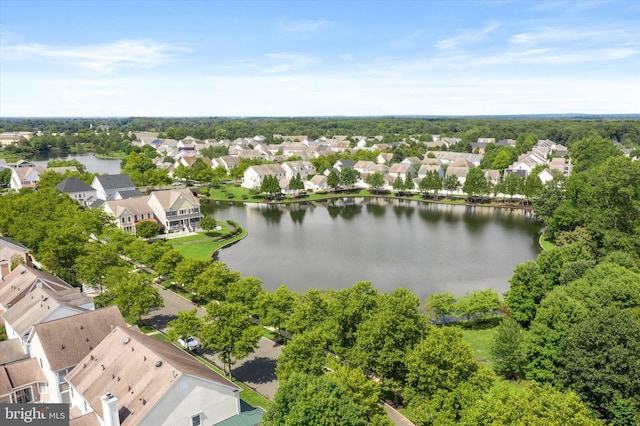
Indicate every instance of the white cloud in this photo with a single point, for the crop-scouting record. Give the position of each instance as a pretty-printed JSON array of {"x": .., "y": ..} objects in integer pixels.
[
  {"x": 305, "y": 26},
  {"x": 467, "y": 37},
  {"x": 103, "y": 57},
  {"x": 286, "y": 62}
]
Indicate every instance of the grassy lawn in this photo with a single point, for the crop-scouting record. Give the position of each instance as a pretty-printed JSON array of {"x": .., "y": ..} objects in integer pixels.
[
  {"x": 546, "y": 244},
  {"x": 481, "y": 342}
]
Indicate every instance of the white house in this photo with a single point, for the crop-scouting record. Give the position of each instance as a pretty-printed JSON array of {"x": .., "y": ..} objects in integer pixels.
[
  {"x": 254, "y": 175},
  {"x": 133, "y": 379},
  {"x": 304, "y": 168},
  {"x": 10, "y": 249},
  {"x": 77, "y": 190},
  {"x": 106, "y": 186}
]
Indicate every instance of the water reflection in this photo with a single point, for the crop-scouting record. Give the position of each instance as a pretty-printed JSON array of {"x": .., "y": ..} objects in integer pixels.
[{"x": 442, "y": 247}]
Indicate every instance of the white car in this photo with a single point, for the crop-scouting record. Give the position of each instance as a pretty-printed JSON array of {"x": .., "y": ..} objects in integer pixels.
[{"x": 190, "y": 343}]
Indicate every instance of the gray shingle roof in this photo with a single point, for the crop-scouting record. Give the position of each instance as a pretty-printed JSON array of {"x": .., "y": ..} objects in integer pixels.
[
  {"x": 73, "y": 185},
  {"x": 115, "y": 181}
]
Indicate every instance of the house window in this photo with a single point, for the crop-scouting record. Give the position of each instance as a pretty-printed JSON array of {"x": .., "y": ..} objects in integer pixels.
[
  {"x": 196, "y": 420},
  {"x": 23, "y": 396},
  {"x": 43, "y": 388},
  {"x": 135, "y": 217},
  {"x": 61, "y": 375}
]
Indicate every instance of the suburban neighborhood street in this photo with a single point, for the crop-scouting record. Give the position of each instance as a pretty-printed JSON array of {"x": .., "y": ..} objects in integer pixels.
[{"x": 258, "y": 370}]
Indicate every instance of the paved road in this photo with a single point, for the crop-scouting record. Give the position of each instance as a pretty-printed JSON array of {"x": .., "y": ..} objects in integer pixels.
[{"x": 258, "y": 370}]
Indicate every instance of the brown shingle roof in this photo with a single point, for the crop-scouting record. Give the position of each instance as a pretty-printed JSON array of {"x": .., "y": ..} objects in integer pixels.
[
  {"x": 24, "y": 279},
  {"x": 34, "y": 309},
  {"x": 19, "y": 374},
  {"x": 67, "y": 340},
  {"x": 136, "y": 369},
  {"x": 11, "y": 350},
  {"x": 168, "y": 198}
]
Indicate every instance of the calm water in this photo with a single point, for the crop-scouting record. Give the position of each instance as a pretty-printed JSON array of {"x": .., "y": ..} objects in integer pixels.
[
  {"x": 427, "y": 248},
  {"x": 94, "y": 164}
]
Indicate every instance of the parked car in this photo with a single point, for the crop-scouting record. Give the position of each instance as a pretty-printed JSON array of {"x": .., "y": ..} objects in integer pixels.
[{"x": 190, "y": 343}]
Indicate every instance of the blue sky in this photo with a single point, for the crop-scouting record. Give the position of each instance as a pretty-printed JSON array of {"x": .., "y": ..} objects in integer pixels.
[{"x": 310, "y": 58}]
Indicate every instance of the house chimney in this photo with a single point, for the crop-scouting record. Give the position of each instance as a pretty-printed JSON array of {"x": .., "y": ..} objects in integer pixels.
[{"x": 110, "y": 410}]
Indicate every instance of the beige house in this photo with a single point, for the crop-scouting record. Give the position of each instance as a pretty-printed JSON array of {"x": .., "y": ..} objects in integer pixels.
[
  {"x": 129, "y": 212},
  {"x": 9, "y": 250},
  {"x": 254, "y": 175},
  {"x": 133, "y": 379},
  {"x": 59, "y": 345},
  {"x": 22, "y": 382},
  {"x": 25, "y": 279},
  {"x": 175, "y": 209}
]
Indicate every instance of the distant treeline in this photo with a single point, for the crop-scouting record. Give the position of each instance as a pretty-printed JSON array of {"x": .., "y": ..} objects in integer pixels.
[{"x": 623, "y": 129}]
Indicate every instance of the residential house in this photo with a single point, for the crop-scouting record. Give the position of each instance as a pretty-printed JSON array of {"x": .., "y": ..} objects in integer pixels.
[
  {"x": 493, "y": 176},
  {"x": 426, "y": 168},
  {"x": 9, "y": 250},
  {"x": 459, "y": 172},
  {"x": 77, "y": 190},
  {"x": 254, "y": 175},
  {"x": 342, "y": 164},
  {"x": 59, "y": 345},
  {"x": 129, "y": 212},
  {"x": 106, "y": 186},
  {"x": 226, "y": 161},
  {"x": 303, "y": 168},
  {"x": 363, "y": 166},
  {"x": 134, "y": 379},
  {"x": 175, "y": 209},
  {"x": 22, "y": 382},
  {"x": 23, "y": 280},
  {"x": 402, "y": 170},
  {"x": 40, "y": 306},
  {"x": 11, "y": 351},
  {"x": 25, "y": 177},
  {"x": 384, "y": 158},
  {"x": 317, "y": 183}
]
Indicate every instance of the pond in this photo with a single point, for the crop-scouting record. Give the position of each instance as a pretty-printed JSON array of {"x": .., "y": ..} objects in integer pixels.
[
  {"x": 427, "y": 248},
  {"x": 93, "y": 163}
]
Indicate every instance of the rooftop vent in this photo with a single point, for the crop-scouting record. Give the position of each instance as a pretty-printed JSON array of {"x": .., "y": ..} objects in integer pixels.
[
  {"x": 126, "y": 340},
  {"x": 158, "y": 363}
]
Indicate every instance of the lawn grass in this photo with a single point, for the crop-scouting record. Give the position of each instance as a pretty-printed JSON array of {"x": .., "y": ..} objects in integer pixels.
[
  {"x": 481, "y": 342},
  {"x": 204, "y": 244},
  {"x": 545, "y": 243}
]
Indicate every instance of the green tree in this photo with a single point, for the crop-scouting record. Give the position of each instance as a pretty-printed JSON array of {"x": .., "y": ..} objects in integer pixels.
[
  {"x": 534, "y": 404},
  {"x": 475, "y": 184},
  {"x": 303, "y": 354},
  {"x": 600, "y": 361},
  {"x": 228, "y": 331},
  {"x": 441, "y": 360},
  {"x": 333, "y": 180},
  {"x": 188, "y": 270},
  {"x": 365, "y": 392},
  {"x": 245, "y": 290},
  {"x": 592, "y": 151},
  {"x": 187, "y": 323},
  {"x": 5, "y": 177},
  {"x": 511, "y": 184},
  {"x": 375, "y": 181},
  {"x": 135, "y": 296},
  {"x": 441, "y": 305},
  {"x": 168, "y": 263},
  {"x": 398, "y": 184},
  {"x": 309, "y": 312},
  {"x": 296, "y": 183},
  {"x": 147, "y": 229},
  {"x": 213, "y": 282},
  {"x": 384, "y": 338},
  {"x": 431, "y": 182},
  {"x": 451, "y": 184},
  {"x": 91, "y": 267},
  {"x": 507, "y": 352},
  {"x": 312, "y": 400},
  {"x": 348, "y": 177},
  {"x": 275, "y": 307},
  {"x": 208, "y": 223},
  {"x": 270, "y": 185}
]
